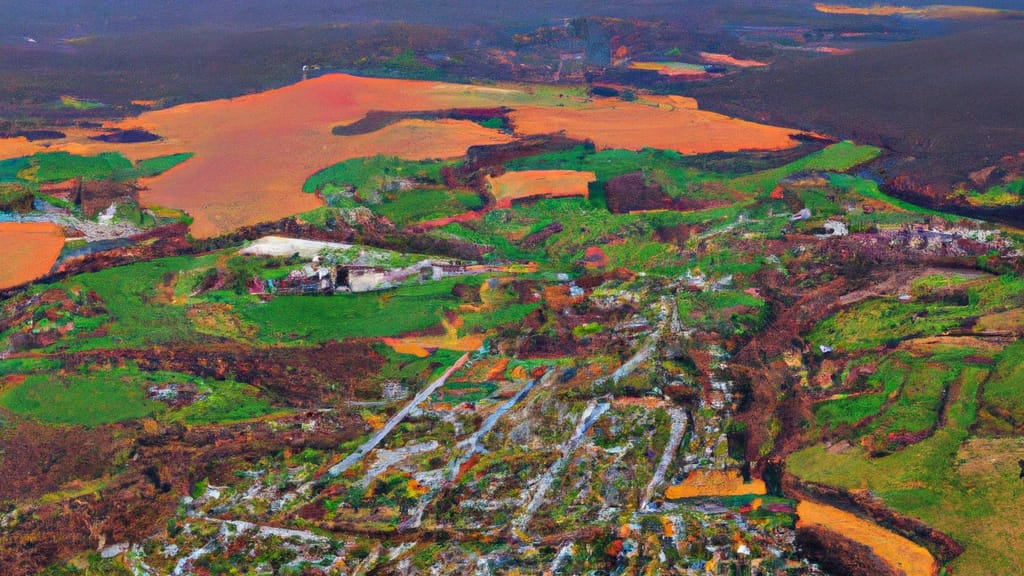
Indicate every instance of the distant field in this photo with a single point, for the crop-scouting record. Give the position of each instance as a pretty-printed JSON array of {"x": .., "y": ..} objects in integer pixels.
[
  {"x": 29, "y": 250},
  {"x": 674, "y": 124},
  {"x": 268, "y": 144},
  {"x": 59, "y": 166},
  {"x": 951, "y": 105},
  {"x": 670, "y": 68},
  {"x": 936, "y": 11}
]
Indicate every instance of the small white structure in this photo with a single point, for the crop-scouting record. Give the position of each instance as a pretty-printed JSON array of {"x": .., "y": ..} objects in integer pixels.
[
  {"x": 801, "y": 215},
  {"x": 833, "y": 229},
  {"x": 107, "y": 216}
]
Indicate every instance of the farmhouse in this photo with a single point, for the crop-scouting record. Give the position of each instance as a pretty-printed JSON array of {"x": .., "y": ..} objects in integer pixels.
[
  {"x": 354, "y": 278},
  {"x": 365, "y": 272}
]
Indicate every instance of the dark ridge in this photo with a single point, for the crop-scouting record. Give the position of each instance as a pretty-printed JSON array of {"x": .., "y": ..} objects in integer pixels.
[
  {"x": 33, "y": 135},
  {"x": 604, "y": 91},
  {"x": 485, "y": 155},
  {"x": 838, "y": 554},
  {"x": 131, "y": 136},
  {"x": 95, "y": 247},
  {"x": 951, "y": 105},
  {"x": 540, "y": 236},
  {"x": 757, "y": 160},
  {"x": 634, "y": 193},
  {"x": 376, "y": 120}
]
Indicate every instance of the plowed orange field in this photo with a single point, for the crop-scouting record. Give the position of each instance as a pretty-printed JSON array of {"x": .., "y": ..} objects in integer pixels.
[
  {"x": 253, "y": 153},
  {"x": 539, "y": 183},
  {"x": 714, "y": 483},
  {"x": 897, "y": 551},
  {"x": 636, "y": 125},
  {"x": 29, "y": 250}
]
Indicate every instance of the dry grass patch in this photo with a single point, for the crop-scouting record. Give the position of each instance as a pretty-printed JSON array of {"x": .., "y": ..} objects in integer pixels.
[
  {"x": 931, "y": 12},
  {"x": 727, "y": 60}
]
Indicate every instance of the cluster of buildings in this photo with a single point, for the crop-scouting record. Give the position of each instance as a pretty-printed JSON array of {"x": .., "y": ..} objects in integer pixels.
[{"x": 317, "y": 278}]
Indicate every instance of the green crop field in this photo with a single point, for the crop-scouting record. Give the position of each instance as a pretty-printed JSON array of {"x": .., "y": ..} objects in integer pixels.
[
  {"x": 1005, "y": 389},
  {"x": 160, "y": 164},
  {"x": 130, "y": 295},
  {"x": 60, "y": 166},
  {"x": 224, "y": 401},
  {"x": 888, "y": 378},
  {"x": 726, "y": 311},
  {"x": 869, "y": 189},
  {"x": 44, "y": 167},
  {"x": 507, "y": 314},
  {"x": 417, "y": 205},
  {"x": 1009, "y": 194},
  {"x": 73, "y": 103},
  {"x": 297, "y": 319},
  {"x": 368, "y": 174},
  {"x": 967, "y": 487},
  {"x": 872, "y": 323},
  {"x": 94, "y": 396},
  {"x": 10, "y": 168},
  {"x": 86, "y": 399},
  {"x": 836, "y": 158},
  {"x": 919, "y": 403}
]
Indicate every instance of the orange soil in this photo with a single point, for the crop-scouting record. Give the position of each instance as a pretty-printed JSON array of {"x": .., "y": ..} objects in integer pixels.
[
  {"x": 897, "y": 551},
  {"x": 440, "y": 222},
  {"x": 934, "y": 11},
  {"x": 714, "y": 483},
  {"x": 498, "y": 371},
  {"x": 669, "y": 527},
  {"x": 253, "y": 153},
  {"x": 595, "y": 259},
  {"x": 256, "y": 175},
  {"x": 419, "y": 345},
  {"x": 15, "y": 147},
  {"x": 727, "y": 60},
  {"x": 557, "y": 297},
  {"x": 30, "y": 249},
  {"x": 539, "y": 183},
  {"x": 76, "y": 141},
  {"x": 672, "y": 125},
  {"x": 518, "y": 373}
]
